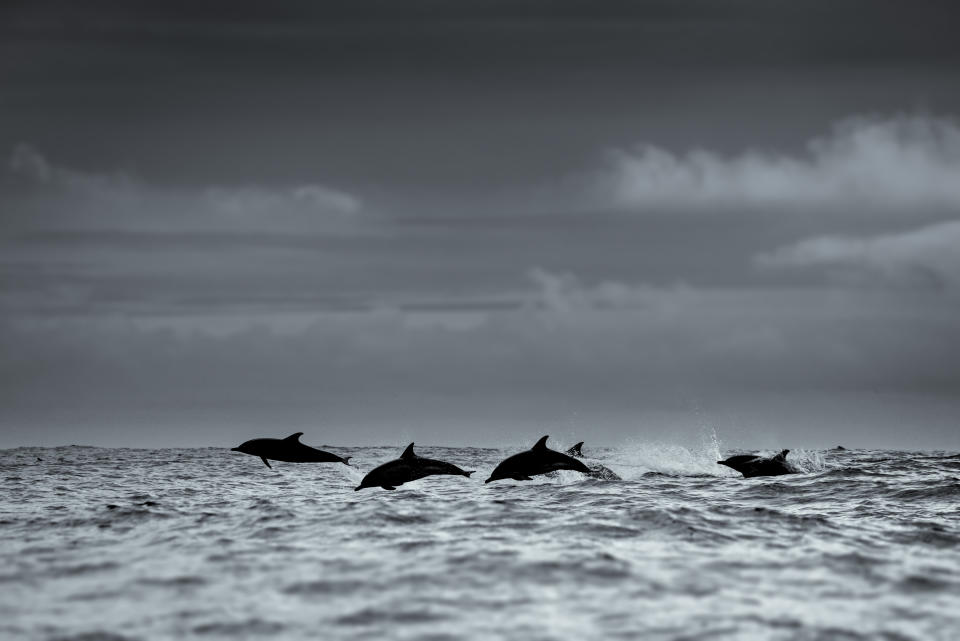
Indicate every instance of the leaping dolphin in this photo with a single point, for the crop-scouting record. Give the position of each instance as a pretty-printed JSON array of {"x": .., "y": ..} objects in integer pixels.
[
  {"x": 751, "y": 465},
  {"x": 597, "y": 471},
  {"x": 289, "y": 449},
  {"x": 575, "y": 450},
  {"x": 537, "y": 460},
  {"x": 409, "y": 467}
]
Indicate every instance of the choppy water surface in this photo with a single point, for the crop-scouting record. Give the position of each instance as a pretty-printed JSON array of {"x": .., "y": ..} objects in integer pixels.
[{"x": 147, "y": 544}]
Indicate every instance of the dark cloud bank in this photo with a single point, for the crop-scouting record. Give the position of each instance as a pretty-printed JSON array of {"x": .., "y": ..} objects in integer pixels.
[{"x": 646, "y": 276}]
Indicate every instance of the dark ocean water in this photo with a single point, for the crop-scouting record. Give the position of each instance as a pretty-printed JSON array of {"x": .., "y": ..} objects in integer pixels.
[{"x": 205, "y": 543}]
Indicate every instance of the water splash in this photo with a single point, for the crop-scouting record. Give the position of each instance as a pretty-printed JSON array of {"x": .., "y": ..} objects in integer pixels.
[
  {"x": 807, "y": 461},
  {"x": 674, "y": 459}
]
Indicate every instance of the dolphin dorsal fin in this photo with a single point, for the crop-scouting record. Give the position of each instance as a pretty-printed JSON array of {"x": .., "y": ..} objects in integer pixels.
[
  {"x": 295, "y": 438},
  {"x": 782, "y": 455},
  {"x": 408, "y": 453},
  {"x": 575, "y": 450},
  {"x": 541, "y": 444}
]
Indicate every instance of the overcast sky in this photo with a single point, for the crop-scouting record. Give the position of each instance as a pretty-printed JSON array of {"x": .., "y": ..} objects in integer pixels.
[{"x": 479, "y": 222}]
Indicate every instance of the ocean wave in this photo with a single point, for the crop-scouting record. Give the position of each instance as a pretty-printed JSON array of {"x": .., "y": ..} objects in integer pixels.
[{"x": 203, "y": 543}]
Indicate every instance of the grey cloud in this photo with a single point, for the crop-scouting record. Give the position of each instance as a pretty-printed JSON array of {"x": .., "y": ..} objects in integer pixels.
[
  {"x": 253, "y": 200},
  {"x": 925, "y": 257},
  {"x": 29, "y": 169},
  {"x": 675, "y": 30},
  {"x": 82, "y": 242},
  {"x": 25, "y": 161},
  {"x": 588, "y": 348},
  {"x": 898, "y": 163},
  {"x": 358, "y": 209},
  {"x": 565, "y": 293},
  {"x": 40, "y": 195}
]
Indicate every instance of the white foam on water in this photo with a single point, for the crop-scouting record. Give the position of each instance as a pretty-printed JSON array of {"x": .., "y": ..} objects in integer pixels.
[{"x": 635, "y": 458}]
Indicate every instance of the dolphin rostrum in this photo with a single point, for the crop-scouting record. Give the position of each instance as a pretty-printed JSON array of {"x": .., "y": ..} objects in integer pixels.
[
  {"x": 288, "y": 449},
  {"x": 754, "y": 465},
  {"x": 597, "y": 471},
  {"x": 537, "y": 460},
  {"x": 409, "y": 467}
]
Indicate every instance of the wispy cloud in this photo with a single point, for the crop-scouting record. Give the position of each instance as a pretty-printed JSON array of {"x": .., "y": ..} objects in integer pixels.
[
  {"x": 39, "y": 194},
  {"x": 257, "y": 200},
  {"x": 925, "y": 257},
  {"x": 900, "y": 162}
]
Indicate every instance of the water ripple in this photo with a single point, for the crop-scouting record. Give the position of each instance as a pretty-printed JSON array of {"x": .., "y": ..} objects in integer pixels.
[{"x": 207, "y": 543}]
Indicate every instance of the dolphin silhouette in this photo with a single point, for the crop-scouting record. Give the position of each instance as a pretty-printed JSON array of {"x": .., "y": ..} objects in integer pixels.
[
  {"x": 409, "y": 467},
  {"x": 539, "y": 459},
  {"x": 597, "y": 471},
  {"x": 289, "y": 449},
  {"x": 751, "y": 465}
]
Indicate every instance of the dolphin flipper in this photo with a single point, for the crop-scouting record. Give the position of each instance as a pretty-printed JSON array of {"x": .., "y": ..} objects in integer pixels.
[
  {"x": 388, "y": 487},
  {"x": 265, "y": 462}
]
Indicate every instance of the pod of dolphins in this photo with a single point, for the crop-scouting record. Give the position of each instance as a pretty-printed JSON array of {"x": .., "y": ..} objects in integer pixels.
[{"x": 522, "y": 466}]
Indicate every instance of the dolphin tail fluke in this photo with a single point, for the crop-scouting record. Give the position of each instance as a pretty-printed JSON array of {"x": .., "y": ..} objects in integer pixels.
[{"x": 467, "y": 473}]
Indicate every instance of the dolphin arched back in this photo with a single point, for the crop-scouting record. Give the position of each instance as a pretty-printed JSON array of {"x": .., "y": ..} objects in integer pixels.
[
  {"x": 288, "y": 449},
  {"x": 539, "y": 459},
  {"x": 751, "y": 465},
  {"x": 409, "y": 467}
]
